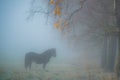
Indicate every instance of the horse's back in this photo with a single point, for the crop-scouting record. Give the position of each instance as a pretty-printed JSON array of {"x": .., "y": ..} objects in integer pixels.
[{"x": 31, "y": 54}]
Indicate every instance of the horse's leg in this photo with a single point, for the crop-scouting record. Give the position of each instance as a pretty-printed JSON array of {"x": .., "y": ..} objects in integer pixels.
[
  {"x": 44, "y": 65},
  {"x": 29, "y": 65}
]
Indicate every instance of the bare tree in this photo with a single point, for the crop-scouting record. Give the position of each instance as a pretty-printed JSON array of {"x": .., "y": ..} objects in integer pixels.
[{"x": 79, "y": 20}]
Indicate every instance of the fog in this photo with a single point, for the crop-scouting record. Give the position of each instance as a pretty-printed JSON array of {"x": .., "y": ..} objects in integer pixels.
[
  {"x": 19, "y": 36},
  {"x": 83, "y": 32}
]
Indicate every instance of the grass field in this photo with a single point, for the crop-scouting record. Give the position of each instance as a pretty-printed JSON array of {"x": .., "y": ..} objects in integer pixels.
[{"x": 64, "y": 72}]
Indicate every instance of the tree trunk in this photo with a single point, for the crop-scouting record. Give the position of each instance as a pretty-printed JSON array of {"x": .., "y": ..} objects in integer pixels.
[{"x": 117, "y": 13}]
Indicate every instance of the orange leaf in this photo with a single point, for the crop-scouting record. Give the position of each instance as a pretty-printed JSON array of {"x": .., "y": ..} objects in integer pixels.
[
  {"x": 52, "y": 2},
  {"x": 57, "y": 11},
  {"x": 57, "y": 24}
]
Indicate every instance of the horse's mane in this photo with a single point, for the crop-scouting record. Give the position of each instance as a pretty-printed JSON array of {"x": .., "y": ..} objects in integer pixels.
[{"x": 48, "y": 51}]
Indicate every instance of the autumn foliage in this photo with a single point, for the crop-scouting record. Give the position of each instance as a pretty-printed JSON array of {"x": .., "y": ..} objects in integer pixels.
[{"x": 57, "y": 12}]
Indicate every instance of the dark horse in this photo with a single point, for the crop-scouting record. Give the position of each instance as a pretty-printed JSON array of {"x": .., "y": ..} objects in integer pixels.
[{"x": 42, "y": 58}]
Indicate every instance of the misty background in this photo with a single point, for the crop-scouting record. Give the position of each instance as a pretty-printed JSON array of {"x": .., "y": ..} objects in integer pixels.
[{"x": 19, "y": 36}]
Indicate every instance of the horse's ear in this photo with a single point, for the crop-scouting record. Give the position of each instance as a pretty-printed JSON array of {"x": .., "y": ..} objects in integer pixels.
[{"x": 54, "y": 49}]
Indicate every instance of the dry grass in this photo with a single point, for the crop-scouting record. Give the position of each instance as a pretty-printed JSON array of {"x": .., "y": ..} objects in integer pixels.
[
  {"x": 58, "y": 73},
  {"x": 99, "y": 74}
]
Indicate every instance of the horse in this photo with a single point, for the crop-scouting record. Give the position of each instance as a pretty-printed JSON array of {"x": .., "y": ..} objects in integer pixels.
[{"x": 42, "y": 58}]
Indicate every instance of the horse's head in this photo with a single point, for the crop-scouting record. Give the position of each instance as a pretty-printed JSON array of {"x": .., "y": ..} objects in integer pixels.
[{"x": 53, "y": 52}]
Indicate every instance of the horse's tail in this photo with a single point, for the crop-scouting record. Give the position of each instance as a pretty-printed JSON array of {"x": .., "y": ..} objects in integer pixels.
[{"x": 27, "y": 60}]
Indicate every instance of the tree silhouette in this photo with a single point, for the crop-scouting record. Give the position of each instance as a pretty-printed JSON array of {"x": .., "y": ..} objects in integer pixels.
[{"x": 79, "y": 20}]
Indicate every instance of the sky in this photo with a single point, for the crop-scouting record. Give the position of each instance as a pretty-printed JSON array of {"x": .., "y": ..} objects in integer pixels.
[{"x": 19, "y": 35}]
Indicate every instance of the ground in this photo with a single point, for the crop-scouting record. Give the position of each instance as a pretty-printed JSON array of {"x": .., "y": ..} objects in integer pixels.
[{"x": 66, "y": 72}]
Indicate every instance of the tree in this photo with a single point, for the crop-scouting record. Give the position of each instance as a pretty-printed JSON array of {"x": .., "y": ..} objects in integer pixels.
[
  {"x": 95, "y": 17},
  {"x": 81, "y": 21}
]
